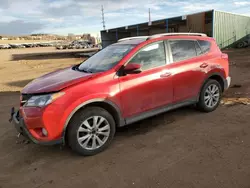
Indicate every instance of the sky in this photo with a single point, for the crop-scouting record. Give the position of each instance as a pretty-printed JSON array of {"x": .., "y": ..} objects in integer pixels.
[{"x": 22, "y": 17}]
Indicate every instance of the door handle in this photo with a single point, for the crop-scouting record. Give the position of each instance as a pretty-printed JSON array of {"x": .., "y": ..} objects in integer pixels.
[
  {"x": 203, "y": 65},
  {"x": 166, "y": 74}
]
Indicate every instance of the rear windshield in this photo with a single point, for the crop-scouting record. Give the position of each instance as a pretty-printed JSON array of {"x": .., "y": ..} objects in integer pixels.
[{"x": 106, "y": 58}]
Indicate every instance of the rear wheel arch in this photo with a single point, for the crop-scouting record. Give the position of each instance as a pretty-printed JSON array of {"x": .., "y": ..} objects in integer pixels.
[
  {"x": 109, "y": 106},
  {"x": 219, "y": 77}
]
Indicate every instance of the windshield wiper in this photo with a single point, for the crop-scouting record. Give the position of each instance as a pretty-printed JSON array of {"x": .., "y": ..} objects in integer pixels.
[
  {"x": 81, "y": 70},
  {"x": 84, "y": 70}
]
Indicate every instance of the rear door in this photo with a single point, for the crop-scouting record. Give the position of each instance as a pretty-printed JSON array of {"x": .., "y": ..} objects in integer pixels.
[
  {"x": 187, "y": 68},
  {"x": 150, "y": 88}
]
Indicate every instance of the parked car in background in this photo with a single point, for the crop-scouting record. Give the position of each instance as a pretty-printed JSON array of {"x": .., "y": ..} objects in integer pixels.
[
  {"x": 21, "y": 46},
  {"x": 76, "y": 44},
  {"x": 80, "y": 46},
  {"x": 5, "y": 46},
  {"x": 45, "y": 44},
  {"x": 72, "y": 46},
  {"x": 35, "y": 44},
  {"x": 48, "y": 44},
  {"x": 17, "y": 46},
  {"x": 98, "y": 46},
  {"x": 14, "y": 46},
  {"x": 62, "y": 46},
  {"x": 244, "y": 42},
  {"x": 28, "y": 45},
  {"x": 126, "y": 82}
]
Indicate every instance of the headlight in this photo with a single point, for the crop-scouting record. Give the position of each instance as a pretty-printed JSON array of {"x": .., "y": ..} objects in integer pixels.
[{"x": 43, "y": 100}]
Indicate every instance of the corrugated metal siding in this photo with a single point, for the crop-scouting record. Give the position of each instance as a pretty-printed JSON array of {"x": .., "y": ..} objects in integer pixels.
[
  {"x": 112, "y": 37},
  {"x": 229, "y": 28}
]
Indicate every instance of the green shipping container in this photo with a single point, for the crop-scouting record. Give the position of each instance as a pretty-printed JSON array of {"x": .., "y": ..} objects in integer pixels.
[{"x": 229, "y": 28}]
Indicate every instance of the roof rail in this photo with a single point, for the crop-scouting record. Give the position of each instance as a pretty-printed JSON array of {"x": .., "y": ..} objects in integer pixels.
[
  {"x": 162, "y": 34},
  {"x": 130, "y": 38},
  {"x": 174, "y": 34}
]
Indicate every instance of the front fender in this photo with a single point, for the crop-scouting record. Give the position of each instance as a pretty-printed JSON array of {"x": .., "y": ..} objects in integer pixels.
[{"x": 74, "y": 107}]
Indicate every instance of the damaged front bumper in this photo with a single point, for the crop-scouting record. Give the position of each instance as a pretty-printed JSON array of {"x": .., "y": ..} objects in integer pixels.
[{"x": 21, "y": 128}]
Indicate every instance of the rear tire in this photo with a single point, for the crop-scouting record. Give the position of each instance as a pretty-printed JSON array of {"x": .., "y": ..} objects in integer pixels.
[
  {"x": 86, "y": 126},
  {"x": 210, "y": 96},
  {"x": 241, "y": 45}
]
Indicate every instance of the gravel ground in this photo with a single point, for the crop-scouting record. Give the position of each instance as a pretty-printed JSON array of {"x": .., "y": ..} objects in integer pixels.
[{"x": 182, "y": 148}]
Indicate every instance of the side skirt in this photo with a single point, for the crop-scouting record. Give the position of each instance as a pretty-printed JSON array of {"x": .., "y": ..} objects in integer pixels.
[{"x": 160, "y": 110}]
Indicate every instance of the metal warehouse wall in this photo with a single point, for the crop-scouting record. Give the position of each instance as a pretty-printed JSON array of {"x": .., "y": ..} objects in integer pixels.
[
  {"x": 112, "y": 37},
  {"x": 199, "y": 22},
  {"x": 229, "y": 28},
  {"x": 196, "y": 23}
]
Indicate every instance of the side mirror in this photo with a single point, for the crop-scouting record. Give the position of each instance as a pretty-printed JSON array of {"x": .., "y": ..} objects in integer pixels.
[{"x": 132, "y": 68}]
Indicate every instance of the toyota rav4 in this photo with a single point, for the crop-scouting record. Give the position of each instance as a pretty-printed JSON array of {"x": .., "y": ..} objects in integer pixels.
[{"x": 133, "y": 79}]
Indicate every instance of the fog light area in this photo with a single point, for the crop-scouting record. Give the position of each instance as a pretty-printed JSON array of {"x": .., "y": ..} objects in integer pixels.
[{"x": 44, "y": 131}]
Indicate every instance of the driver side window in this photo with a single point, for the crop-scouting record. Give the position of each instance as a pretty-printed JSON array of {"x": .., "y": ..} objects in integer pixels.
[{"x": 151, "y": 56}]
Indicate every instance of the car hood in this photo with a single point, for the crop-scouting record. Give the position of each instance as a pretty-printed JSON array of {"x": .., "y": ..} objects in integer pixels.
[{"x": 55, "y": 81}]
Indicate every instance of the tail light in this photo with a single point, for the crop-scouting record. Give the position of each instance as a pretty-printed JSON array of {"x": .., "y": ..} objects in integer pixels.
[{"x": 226, "y": 63}]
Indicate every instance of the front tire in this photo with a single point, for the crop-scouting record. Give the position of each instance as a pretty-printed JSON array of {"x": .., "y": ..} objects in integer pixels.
[
  {"x": 91, "y": 131},
  {"x": 210, "y": 96}
]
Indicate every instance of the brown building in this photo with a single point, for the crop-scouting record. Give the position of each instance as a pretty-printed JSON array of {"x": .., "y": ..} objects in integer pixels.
[{"x": 226, "y": 28}]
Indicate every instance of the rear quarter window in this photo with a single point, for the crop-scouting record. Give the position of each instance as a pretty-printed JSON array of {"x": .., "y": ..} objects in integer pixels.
[
  {"x": 198, "y": 49},
  {"x": 205, "y": 46},
  {"x": 182, "y": 49}
]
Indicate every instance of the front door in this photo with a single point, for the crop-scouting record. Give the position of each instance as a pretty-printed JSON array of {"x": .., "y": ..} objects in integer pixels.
[{"x": 152, "y": 87}]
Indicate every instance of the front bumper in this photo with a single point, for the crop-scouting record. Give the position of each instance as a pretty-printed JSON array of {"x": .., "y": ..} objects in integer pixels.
[{"x": 20, "y": 126}]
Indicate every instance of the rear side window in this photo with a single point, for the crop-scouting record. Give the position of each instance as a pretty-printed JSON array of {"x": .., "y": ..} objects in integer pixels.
[
  {"x": 198, "y": 48},
  {"x": 182, "y": 49},
  {"x": 205, "y": 46}
]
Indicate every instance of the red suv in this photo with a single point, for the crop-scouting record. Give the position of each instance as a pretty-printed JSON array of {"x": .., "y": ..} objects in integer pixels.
[{"x": 128, "y": 81}]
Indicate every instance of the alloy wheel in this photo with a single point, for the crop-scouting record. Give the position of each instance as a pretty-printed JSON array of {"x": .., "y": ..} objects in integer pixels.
[
  {"x": 212, "y": 96},
  {"x": 93, "y": 132}
]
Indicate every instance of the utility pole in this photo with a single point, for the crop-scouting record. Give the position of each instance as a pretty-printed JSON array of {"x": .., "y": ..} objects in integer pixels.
[
  {"x": 149, "y": 17},
  {"x": 103, "y": 20}
]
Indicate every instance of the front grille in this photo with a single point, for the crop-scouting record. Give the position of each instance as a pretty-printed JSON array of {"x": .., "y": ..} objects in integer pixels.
[{"x": 25, "y": 98}]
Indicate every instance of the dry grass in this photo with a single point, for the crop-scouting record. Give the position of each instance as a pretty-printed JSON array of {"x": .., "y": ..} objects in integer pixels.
[{"x": 233, "y": 101}]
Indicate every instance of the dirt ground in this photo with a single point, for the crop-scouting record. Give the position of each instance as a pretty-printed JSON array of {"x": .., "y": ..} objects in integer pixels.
[
  {"x": 15, "y": 74},
  {"x": 182, "y": 148}
]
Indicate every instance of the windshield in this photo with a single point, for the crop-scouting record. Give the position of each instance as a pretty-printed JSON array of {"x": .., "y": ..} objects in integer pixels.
[{"x": 106, "y": 58}]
